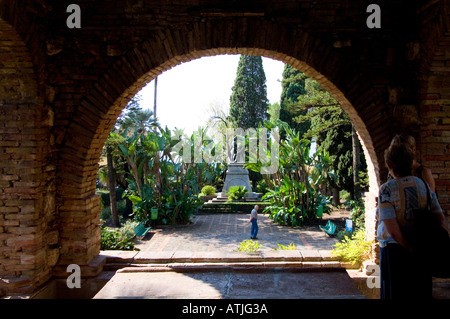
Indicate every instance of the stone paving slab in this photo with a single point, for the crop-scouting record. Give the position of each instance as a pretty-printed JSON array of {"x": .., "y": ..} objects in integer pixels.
[
  {"x": 216, "y": 238},
  {"x": 224, "y": 284},
  {"x": 201, "y": 260},
  {"x": 217, "y": 232},
  {"x": 217, "y": 256}
]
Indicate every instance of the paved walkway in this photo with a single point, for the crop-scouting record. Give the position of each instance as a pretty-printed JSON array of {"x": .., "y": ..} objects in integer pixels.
[
  {"x": 254, "y": 285},
  {"x": 225, "y": 232},
  {"x": 200, "y": 260}
]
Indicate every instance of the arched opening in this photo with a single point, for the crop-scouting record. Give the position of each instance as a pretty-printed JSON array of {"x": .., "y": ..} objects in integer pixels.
[
  {"x": 111, "y": 93},
  {"x": 72, "y": 231},
  {"x": 227, "y": 220},
  {"x": 185, "y": 103},
  {"x": 62, "y": 89}
]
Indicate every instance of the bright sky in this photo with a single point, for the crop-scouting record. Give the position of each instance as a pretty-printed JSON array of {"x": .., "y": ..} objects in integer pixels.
[{"x": 187, "y": 91}]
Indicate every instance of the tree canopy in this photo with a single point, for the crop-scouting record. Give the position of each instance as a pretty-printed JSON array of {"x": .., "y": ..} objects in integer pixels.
[
  {"x": 248, "y": 101},
  {"x": 320, "y": 116},
  {"x": 293, "y": 87}
]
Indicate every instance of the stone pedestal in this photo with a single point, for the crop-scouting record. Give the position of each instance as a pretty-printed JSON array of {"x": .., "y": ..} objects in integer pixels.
[{"x": 237, "y": 175}]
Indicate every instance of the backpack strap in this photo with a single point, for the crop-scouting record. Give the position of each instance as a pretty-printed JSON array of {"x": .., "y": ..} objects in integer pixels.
[
  {"x": 428, "y": 193},
  {"x": 419, "y": 171}
]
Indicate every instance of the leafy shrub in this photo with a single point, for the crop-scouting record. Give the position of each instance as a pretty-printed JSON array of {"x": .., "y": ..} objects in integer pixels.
[
  {"x": 157, "y": 180},
  {"x": 291, "y": 246},
  {"x": 127, "y": 229},
  {"x": 345, "y": 195},
  {"x": 354, "y": 250},
  {"x": 106, "y": 211},
  {"x": 341, "y": 234},
  {"x": 249, "y": 246},
  {"x": 294, "y": 190},
  {"x": 357, "y": 213},
  {"x": 286, "y": 207},
  {"x": 262, "y": 187},
  {"x": 104, "y": 196},
  {"x": 118, "y": 239},
  {"x": 208, "y": 190},
  {"x": 237, "y": 192}
]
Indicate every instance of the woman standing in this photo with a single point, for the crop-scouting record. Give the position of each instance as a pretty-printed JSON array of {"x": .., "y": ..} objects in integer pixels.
[{"x": 403, "y": 274}]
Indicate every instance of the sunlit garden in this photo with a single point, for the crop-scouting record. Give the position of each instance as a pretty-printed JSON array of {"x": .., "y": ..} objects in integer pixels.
[{"x": 150, "y": 175}]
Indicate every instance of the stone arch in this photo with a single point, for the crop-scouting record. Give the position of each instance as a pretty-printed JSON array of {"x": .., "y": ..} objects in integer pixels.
[
  {"x": 62, "y": 90},
  {"x": 98, "y": 111}
]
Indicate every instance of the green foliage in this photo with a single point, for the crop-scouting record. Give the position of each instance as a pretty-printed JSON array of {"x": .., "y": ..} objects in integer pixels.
[
  {"x": 237, "y": 193},
  {"x": 262, "y": 187},
  {"x": 208, "y": 190},
  {"x": 294, "y": 190},
  {"x": 291, "y": 246},
  {"x": 274, "y": 111},
  {"x": 160, "y": 178},
  {"x": 357, "y": 213},
  {"x": 342, "y": 233},
  {"x": 151, "y": 169},
  {"x": 333, "y": 133},
  {"x": 311, "y": 110},
  {"x": 248, "y": 101},
  {"x": 343, "y": 194},
  {"x": 249, "y": 246},
  {"x": 106, "y": 211},
  {"x": 118, "y": 239},
  {"x": 355, "y": 249},
  {"x": 293, "y": 86},
  {"x": 104, "y": 195}
]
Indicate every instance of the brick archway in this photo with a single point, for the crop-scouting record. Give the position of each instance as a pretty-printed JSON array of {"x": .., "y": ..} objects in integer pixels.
[
  {"x": 62, "y": 90},
  {"x": 86, "y": 134}
]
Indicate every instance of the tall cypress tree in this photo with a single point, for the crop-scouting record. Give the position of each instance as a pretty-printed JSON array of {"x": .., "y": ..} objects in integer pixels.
[
  {"x": 293, "y": 86},
  {"x": 248, "y": 101}
]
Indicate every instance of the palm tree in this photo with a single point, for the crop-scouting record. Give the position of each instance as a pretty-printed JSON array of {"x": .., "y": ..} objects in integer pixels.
[
  {"x": 138, "y": 120},
  {"x": 134, "y": 119}
]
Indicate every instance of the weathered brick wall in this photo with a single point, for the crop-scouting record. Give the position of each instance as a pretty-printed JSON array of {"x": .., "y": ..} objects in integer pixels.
[
  {"x": 433, "y": 114},
  {"x": 28, "y": 224},
  {"x": 62, "y": 90}
]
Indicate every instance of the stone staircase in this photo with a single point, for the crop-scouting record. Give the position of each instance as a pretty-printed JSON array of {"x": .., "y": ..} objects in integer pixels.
[
  {"x": 130, "y": 261},
  {"x": 219, "y": 204}
]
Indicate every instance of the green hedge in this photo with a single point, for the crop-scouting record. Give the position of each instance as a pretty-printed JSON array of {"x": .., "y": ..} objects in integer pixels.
[
  {"x": 104, "y": 195},
  {"x": 234, "y": 207}
]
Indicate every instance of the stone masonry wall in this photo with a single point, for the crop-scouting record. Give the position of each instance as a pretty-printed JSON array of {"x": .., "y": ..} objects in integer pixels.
[
  {"x": 62, "y": 89},
  {"x": 28, "y": 225}
]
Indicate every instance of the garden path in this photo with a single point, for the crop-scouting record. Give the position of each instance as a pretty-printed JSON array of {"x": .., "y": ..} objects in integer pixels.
[{"x": 219, "y": 232}]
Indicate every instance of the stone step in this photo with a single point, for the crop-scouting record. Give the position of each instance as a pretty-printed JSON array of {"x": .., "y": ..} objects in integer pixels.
[
  {"x": 243, "y": 266},
  {"x": 270, "y": 258}
]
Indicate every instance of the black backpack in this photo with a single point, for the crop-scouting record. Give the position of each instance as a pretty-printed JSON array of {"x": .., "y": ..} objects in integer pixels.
[{"x": 429, "y": 240}]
